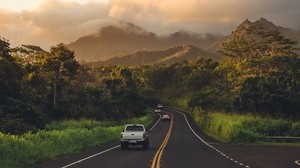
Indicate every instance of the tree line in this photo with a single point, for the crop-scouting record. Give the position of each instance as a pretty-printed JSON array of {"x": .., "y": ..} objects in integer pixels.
[
  {"x": 37, "y": 87},
  {"x": 260, "y": 76}
]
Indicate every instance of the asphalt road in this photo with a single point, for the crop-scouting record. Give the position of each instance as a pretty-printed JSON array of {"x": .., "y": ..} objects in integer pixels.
[{"x": 177, "y": 144}]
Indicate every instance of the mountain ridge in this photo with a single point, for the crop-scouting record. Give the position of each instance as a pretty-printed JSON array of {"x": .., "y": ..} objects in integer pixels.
[
  {"x": 166, "y": 56},
  {"x": 131, "y": 41},
  {"x": 127, "y": 38},
  {"x": 245, "y": 26}
]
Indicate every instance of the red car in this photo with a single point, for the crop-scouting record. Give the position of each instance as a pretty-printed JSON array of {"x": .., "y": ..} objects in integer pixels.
[{"x": 165, "y": 117}]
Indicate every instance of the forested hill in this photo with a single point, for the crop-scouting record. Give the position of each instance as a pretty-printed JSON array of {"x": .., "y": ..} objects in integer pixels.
[
  {"x": 167, "y": 56},
  {"x": 256, "y": 76},
  {"x": 248, "y": 29}
]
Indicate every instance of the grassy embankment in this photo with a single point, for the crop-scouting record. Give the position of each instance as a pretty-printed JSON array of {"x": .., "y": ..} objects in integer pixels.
[
  {"x": 58, "y": 139},
  {"x": 238, "y": 128},
  {"x": 243, "y": 128}
]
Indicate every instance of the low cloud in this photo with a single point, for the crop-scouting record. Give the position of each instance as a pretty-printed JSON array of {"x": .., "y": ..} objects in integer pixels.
[{"x": 55, "y": 21}]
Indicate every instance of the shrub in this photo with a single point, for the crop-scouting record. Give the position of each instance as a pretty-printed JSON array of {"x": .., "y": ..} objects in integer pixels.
[
  {"x": 295, "y": 131},
  {"x": 266, "y": 127},
  {"x": 243, "y": 135}
]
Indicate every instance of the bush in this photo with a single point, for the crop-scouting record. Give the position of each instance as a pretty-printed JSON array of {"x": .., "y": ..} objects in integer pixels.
[
  {"x": 241, "y": 135},
  {"x": 18, "y": 117},
  {"x": 268, "y": 127},
  {"x": 295, "y": 131}
]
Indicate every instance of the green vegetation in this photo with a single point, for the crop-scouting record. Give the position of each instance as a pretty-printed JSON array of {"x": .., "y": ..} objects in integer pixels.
[
  {"x": 243, "y": 128},
  {"x": 38, "y": 87},
  {"x": 60, "y": 138},
  {"x": 258, "y": 77},
  {"x": 256, "y": 86}
]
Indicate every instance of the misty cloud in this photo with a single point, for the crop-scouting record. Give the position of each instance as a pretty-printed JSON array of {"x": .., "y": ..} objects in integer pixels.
[{"x": 55, "y": 21}]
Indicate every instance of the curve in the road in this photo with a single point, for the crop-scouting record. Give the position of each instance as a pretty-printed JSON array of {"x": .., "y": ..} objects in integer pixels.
[
  {"x": 157, "y": 157},
  {"x": 220, "y": 152},
  {"x": 100, "y": 153}
]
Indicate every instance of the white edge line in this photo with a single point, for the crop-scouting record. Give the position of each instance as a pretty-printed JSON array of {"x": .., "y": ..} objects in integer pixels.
[
  {"x": 297, "y": 162},
  {"x": 155, "y": 123},
  {"x": 107, "y": 150},
  {"x": 205, "y": 141}
]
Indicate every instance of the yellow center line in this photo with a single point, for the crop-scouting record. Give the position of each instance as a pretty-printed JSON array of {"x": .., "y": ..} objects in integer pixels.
[{"x": 157, "y": 157}]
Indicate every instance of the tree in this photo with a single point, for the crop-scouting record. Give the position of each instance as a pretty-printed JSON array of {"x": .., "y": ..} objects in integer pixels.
[
  {"x": 61, "y": 67},
  {"x": 17, "y": 116},
  {"x": 160, "y": 76},
  {"x": 10, "y": 72},
  {"x": 34, "y": 85},
  {"x": 261, "y": 71},
  {"x": 258, "y": 42},
  {"x": 276, "y": 91}
]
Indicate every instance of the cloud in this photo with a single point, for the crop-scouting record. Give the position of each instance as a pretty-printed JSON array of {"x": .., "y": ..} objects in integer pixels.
[
  {"x": 213, "y": 16},
  {"x": 67, "y": 21},
  {"x": 55, "y": 21},
  {"x": 54, "y": 14}
]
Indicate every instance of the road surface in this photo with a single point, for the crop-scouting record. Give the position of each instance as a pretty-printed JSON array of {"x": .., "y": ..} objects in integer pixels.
[{"x": 178, "y": 144}]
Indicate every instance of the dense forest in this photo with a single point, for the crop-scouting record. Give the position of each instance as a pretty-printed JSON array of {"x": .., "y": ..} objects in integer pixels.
[
  {"x": 39, "y": 86},
  {"x": 260, "y": 76}
]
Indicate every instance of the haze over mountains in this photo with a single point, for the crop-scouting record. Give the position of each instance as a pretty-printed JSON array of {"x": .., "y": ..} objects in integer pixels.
[
  {"x": 129, "y": 44},
  {"x": 128, "y": 38}
]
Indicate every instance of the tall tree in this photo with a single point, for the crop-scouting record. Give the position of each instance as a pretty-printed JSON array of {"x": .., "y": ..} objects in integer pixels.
[
  {"x": 61, "y": 66},
  {"x": 257, "y": 67},
  {"x": 17, "y": 116},
  {"x": 10, "y": 72}
]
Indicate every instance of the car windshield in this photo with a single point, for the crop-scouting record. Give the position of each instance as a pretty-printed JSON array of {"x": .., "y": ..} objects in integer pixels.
[{"x": 134, "y": 128}]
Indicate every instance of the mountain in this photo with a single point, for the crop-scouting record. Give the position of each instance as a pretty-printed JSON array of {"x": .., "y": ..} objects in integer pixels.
[
  {"x": 244, "y": 30},
  {"x": 127, "y": 38},
  {"x": 167, "y": 56}
]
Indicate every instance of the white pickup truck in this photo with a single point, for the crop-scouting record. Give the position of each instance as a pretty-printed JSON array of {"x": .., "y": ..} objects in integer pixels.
[{"x": 134, "y": 134}]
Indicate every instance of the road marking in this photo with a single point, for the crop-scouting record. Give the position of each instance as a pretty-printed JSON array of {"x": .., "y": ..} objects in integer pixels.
[
  {"x": 207, "y": 144},
  {"x": 155, "y": 123},
  {"x": 107, "y": 150},
  {"x": 71, "y": 164},
  {"x": 297, "y": 162},
  {"x": 157, "y": 157}
]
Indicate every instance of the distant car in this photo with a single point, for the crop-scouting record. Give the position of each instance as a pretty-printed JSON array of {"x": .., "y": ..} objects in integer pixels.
[
  {"x": 165, "y": 117},
  {"x": 160, "y": 106},
  {"x": 157, "y": 110}
]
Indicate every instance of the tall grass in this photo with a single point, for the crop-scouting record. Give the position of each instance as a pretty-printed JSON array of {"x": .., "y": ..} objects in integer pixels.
[
  {"x": 243, "y": 128},
  {"x": 82, "y": 123},
  {"x": 60, "y": 138}
]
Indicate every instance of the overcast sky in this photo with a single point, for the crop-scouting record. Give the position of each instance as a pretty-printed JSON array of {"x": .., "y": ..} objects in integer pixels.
[{"x": 49, "y": 22}]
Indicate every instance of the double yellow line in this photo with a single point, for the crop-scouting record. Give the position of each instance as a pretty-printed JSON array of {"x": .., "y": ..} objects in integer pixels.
[{"x": 157, "y": 157}]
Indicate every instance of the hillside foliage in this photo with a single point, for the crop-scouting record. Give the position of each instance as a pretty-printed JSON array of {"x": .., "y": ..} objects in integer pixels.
[
  {"x": 38, "y": 87},
  {"x": 255, "y": 76}
]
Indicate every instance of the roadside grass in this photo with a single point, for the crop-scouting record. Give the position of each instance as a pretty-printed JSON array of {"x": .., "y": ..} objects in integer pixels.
[
  {"x": 81, "y": 123},
  {"x": 60, "y": 138},
  {"x": 283, "y": 143},
  {"x": 236, "y": 128}
]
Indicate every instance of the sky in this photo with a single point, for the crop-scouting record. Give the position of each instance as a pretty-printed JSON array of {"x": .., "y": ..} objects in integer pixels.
[{"x": 48, "y": 22}]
